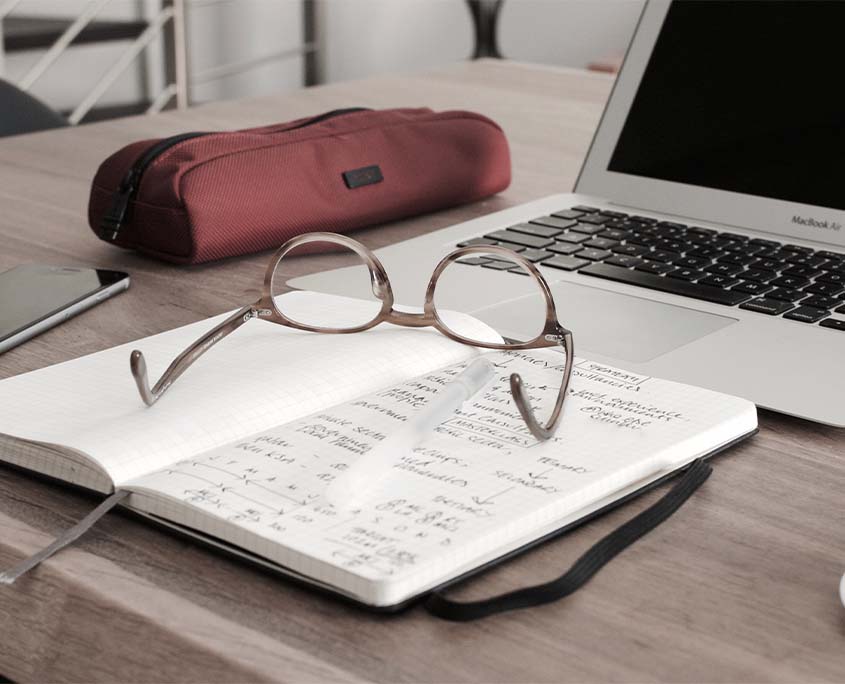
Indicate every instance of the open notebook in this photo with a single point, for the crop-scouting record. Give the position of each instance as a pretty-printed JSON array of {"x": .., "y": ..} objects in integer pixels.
[{"x": 242, "y": 448}]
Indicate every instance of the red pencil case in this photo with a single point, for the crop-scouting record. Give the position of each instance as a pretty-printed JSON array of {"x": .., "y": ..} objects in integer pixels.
[{"x": 197, "y": 197}]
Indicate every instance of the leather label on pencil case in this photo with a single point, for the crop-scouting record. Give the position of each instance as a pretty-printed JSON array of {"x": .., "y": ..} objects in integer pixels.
[{"x": 367, "y": 175}]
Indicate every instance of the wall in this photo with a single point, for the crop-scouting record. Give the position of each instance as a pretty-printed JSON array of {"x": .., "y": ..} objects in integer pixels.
[
  {"x": 358, "y": 38},
  {"x": 363, "y": 37}
]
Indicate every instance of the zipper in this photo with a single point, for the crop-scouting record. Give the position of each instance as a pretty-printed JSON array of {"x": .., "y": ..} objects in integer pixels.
[{"x": 114, "y": 219}]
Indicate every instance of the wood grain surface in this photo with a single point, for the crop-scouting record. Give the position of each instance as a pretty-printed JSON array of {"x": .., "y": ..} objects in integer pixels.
[{"x": 740, "y": 585}]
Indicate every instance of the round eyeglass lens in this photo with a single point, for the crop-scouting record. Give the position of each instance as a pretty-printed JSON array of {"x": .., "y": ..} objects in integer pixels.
[
  {"x": 362, "y": 306},
  {"x": 486, "y": 297}
]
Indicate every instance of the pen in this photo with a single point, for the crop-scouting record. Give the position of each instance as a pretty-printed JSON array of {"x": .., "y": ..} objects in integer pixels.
[{"x": 354, "y": 484}]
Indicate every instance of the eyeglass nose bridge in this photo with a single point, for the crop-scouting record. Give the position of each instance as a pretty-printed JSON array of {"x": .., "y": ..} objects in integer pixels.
[{"x": 410, "y": 319}]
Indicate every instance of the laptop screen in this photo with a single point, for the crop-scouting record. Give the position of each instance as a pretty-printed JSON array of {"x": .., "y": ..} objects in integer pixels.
[{"x": 745, "y": 97}]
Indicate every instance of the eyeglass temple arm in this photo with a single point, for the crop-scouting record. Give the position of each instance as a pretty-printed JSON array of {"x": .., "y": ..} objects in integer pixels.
[
  {"x": 181, "y": 363},
  {"x": 523, "y": 403}
]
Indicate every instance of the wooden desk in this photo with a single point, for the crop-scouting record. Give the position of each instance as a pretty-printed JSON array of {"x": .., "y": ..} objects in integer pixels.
[{"x": 739, "y": 586}]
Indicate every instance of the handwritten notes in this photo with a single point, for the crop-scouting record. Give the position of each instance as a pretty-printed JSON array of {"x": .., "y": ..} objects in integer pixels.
[{"x": 478, "y": 487}]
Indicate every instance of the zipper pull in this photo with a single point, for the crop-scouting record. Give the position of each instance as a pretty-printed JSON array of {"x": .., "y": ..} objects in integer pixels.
[{"x": 113, "y": 221}]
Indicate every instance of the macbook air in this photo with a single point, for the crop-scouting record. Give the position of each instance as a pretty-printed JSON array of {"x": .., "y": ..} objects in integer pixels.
[{"x": 704, "y": 239}]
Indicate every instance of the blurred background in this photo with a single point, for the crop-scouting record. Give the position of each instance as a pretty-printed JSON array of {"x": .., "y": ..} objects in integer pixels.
[{"x": 95, "y": 59}]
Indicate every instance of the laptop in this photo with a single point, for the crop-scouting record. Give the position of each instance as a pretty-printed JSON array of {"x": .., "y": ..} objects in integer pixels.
[{"x": 704, "y": 240}]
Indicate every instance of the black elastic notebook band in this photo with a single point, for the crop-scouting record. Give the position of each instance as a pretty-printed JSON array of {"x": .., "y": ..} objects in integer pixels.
[
  {"x": 585, "y": 567},
  {"x": 65, "y": 539}
]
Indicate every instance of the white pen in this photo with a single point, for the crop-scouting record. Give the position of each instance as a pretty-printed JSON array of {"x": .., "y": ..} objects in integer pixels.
[{"x": 352, "y": 486}]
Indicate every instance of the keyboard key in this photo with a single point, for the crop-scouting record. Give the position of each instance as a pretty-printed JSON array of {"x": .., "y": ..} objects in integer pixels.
[
  {"x": 670, "y": 285},
  {"x": 670, "y": 245},
  {"x": 671, "y": 224},
  {"x": 663, "y": 256},
  {"x": 790, "y": 282},
  {"x": 832, "y": 277},
  {"x": 585, "y": 209},
  {"x": 697, "y": 238},
  {"x": 766, "y": 252},
  {"x": 840, "y": 310},
  {"x": 500, "y": 265},
  {"x": 601, "y": 243},
  {"x": 620, "y": 224},
  {"x": 540, "y": 231},
  {"x": 736, "y": 258},
  {"x": 553, "y": 222},
  {"x": 766, "y": 264},
  {"x": 750, "y": 250},
  {"x": 668, "y": 232},
  {"x": 594, "y": 254},
  {"x": 799, "y": 248},
  {"x": 752, "y": 287},
  {"x": 613, "y": 214},
  {"x": 632, "y": 225},
  {"x": 535, "y": 255},
  {"x": 511, "y": 246},
  {"x": 570, "y": 236},
  {"x": 726, "y": 243},
  {"x": 683, "y": 273},
  {"x": 691, "y": 262},
  {"x": 520, "y": 238},
  {"x": 822, "y": 288},
  {"x": 800, "y": 271},
  {"x": 564, "y": 248},
  {"x": 642, "y": 239},
  {"x": 833, "y": 256},
  {"x": 567, "y": 263},
  {"x": 764, "y": 243},
  {"x": 624, "y": 261},
  {"x": 588, "y": 228},
  {"x": 596, "y": 219},
  {"x": 766, "y": 305},
  {"x": 630, "y": 250},
  {"x": 723, "y": 269},
  {"x": 568, "y": 214},
  {"x": 655, "y": 267},
  {"x": 474, "y": 261},
  {"x": 808, "y": 260},
  {"x": 821, "y": 302},
  {"x": 806, "y": 314},
  {"x": 787, "y": 295},
  {"x": 614, "y": 234},
  {"x": 718, "y": 280},
  {"x": 643, "y": 219},
  {"x": 834, "y": 323},
  {"x": 703, "y": 251},
  {"x": 759, "y": 275},
  {"x": 477, "y": 241}
]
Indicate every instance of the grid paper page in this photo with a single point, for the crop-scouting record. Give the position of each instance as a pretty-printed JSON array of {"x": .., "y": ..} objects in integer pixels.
[
  {"x": 479, "y": 487},
  {"x": 262, "y": 375}
]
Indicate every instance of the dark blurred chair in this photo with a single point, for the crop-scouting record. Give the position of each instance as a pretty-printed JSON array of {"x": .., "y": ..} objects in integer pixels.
[
  {"x": 485, "y": 17},
  {"x": 22, "y": 113}
]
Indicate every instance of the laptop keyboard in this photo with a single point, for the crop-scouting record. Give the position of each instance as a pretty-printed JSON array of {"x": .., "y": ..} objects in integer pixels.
[{"x": 764, "y": 276}]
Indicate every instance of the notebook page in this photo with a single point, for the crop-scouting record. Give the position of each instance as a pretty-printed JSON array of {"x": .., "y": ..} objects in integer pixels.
[
  {"x": 262, "y": 375},
  {"x": 478, "y": 488}
]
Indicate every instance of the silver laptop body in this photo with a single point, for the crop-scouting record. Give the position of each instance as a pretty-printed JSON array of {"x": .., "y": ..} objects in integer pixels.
[{"x": 713, "y": 125}]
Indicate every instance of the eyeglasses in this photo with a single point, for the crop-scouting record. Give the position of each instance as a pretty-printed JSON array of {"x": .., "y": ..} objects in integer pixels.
[{"x": 453, "y": 268}]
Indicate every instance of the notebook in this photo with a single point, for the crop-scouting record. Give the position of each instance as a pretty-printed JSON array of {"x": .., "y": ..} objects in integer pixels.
[{"x": 241, "y": 449}]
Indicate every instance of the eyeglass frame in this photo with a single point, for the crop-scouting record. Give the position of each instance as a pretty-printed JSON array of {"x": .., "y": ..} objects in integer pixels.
[{"x": 553, "y": 332}]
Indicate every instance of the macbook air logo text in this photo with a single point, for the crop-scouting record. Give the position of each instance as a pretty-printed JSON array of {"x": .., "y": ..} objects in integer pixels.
[{"x": 815, "y": 223}]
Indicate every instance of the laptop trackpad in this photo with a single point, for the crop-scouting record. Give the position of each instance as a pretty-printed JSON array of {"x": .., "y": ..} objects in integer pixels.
[{"x": 610, "y": 324}]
